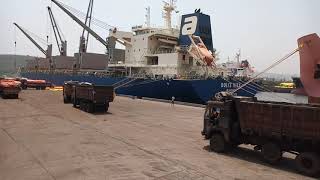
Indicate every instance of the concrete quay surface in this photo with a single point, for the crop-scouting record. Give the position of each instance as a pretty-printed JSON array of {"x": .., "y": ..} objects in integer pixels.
[{"x": 43, "y": 139}]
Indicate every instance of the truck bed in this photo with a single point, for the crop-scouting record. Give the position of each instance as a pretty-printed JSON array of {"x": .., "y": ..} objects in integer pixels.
[
  {"x": 94, "y": 93},
  {"x": 280, "y": 120}
]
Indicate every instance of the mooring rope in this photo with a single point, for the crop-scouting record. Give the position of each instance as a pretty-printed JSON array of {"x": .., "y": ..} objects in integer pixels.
[{"x": 267, "y": 69}]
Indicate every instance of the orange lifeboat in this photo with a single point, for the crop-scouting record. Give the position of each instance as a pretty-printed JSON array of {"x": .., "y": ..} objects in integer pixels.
[
  {"x": 200, "y": 51},
  {"x": 205, "y": 54}
]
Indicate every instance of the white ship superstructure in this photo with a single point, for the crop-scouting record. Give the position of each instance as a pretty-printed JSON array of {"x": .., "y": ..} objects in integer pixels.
[{"x": 153, "y": 51}]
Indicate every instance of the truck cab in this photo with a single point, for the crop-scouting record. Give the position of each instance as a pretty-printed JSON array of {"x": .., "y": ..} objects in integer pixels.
[{"x": 221, "y": 123}]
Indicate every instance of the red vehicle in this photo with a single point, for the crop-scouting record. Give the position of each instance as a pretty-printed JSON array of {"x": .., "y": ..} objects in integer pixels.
[
  {"x": 37, "y": 84},
  {"x": 10, "y": 88}
]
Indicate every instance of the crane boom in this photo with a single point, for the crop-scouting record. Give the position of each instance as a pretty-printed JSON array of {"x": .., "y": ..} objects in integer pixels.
[
  {"x": 31, "y": 39},
  {"x": 88, "y": 20},
  {"x": 62, "y": 46},
  {"x": 94, "y": 34}
]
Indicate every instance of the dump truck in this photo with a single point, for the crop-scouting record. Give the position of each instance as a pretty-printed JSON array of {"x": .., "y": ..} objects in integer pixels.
[
  {"x": 9, "y": 88},
  {"x": 273, "y": 128},
  {"x": 36, "y": 84},
  {"x": 67, "y": 91},
  {"x": 90, "y": 97}
]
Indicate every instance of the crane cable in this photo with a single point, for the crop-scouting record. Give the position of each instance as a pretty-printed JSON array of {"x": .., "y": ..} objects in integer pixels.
[
  {"x": 267, "y": 69},
  {"x": 95, "y": 21},
  {"x": 15, "y": 48}
]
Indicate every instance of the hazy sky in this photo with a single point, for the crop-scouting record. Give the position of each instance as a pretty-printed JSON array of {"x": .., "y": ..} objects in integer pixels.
[{"x": 265, "y": 30}]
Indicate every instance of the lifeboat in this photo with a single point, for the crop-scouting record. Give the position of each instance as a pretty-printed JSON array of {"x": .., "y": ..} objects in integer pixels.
[{"x": 200, "y": 52}]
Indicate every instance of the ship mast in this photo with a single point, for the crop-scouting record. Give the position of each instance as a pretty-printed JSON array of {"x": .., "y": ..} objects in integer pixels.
[
  {"x": 168, "y": 8},
  {"x": 148, "y": 21}
]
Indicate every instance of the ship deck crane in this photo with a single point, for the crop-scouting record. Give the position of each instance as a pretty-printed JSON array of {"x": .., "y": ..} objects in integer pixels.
[
  {"x": 84, "y": 41},
  {"x": 62, "y": 44},
  {"x": 47, "y": 53},
  {"x": 83, "y": 25}
]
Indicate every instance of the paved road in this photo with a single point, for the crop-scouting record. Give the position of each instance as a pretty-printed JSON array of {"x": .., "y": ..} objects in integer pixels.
[{"x": 42, "y": 138}]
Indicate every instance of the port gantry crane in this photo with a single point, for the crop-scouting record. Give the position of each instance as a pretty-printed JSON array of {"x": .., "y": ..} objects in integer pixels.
[
  {"x": 62, "y": 45},
  {"x": 47, "y": 53}
]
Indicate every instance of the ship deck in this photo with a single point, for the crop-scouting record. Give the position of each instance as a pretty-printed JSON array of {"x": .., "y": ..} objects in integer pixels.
[{"x": 42, "y": 138}]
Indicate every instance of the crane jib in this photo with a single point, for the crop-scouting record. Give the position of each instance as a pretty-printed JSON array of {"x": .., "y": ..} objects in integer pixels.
[{"x": 94, "y": 34}]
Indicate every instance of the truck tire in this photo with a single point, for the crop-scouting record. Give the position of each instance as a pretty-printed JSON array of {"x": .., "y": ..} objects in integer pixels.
[
  {"x": 74, "y": 103},
  {"x": 106, "y": 107},
  {"x": 308, "y": 163},
  {"x": 15, "y": 96},
  {"x": 218, "y": 143},
  {"x": 90, "y": 108},
  {"x": 82, "y": 106},
  {"x": 65, "y": 100},
  {"x": 271, "y": 152}
]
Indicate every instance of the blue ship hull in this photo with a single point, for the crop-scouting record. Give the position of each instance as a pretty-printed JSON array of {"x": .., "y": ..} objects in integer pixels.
[{"x": 192, "y": 91}]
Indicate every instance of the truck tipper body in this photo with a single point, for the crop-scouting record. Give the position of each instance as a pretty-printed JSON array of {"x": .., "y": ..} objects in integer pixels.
[
  {"x": 273, "y": 128},
  {"x": 91, "y": 97},
  {"x": 36, "y": 84}
]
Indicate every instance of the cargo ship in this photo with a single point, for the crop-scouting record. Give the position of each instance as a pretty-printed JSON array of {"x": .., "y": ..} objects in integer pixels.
[{"x": 158, "y": 63}]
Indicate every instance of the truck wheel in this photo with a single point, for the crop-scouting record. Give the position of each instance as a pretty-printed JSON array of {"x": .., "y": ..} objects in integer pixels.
[
  {"x": 82, "y": 106},
  {"x": 271, "y": 152},
  {"x": 74, "y": 103},
  {"x": 218, "y": 143},
  {"x": 90, "y": 107},
  {"x": 106, "y": 107},
  {"x": 308, "y": 163},
  {"x": 65, "y": 100}
]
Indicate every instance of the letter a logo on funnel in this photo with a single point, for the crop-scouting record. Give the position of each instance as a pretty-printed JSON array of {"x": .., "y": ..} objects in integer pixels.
[{"x": 190, "y": 25}]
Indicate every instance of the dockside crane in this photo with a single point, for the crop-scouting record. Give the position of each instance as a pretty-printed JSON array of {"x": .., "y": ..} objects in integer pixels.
[
  {"x": 83, "y": 25},
  {"x": 47, "y": 53},
  {"x": 83, "y": 45},
  {"x": 61, "y": 43}
]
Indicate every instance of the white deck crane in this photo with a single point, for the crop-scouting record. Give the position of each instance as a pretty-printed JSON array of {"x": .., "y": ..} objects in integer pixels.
[
  {"x": 47, "y": 53},
  {"x": 61, "y": 43}
]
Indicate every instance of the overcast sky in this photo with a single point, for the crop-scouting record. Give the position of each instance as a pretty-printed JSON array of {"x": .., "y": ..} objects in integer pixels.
[{"x": 264, "y": 30}]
